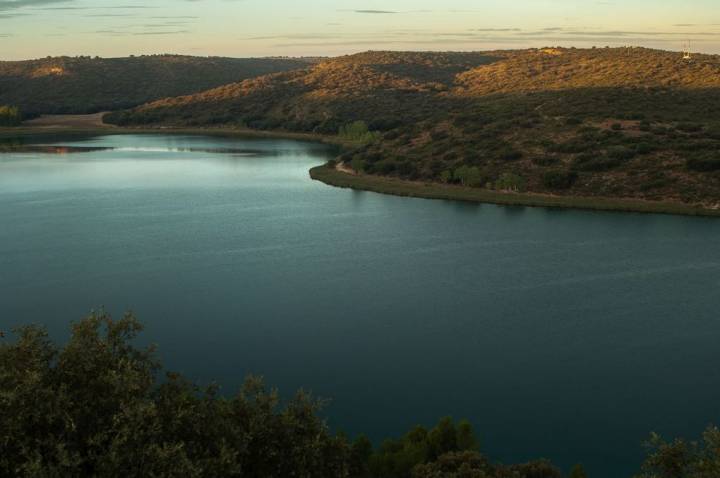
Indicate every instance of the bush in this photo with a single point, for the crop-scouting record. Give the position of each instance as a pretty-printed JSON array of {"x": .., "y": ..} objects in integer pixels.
[
  {"x": 398, "y": 458},
  {"x": 358, "y": 164},
  {"x": 510, "y": 182},
  {"x": 576, "y": 145},
  {"x": 384, "y": 124},
  {"x": 510, "y": 155},
  {"x": 10, "y": 116},
  {"x": 469, "y": 176},
  {"x": 703, "y": 164},
  {"x": 545, "y": 160},
  {"x": 689, "y": 127},
  {"x": 679, "y": 458},
  {"x": 621, "y": 153},
  {"x": 559, "y": 179},
  {"x": 358, "y": 132},
  {"x": 596, "y": 164},
  {"x": 407, "y": 169},
  {"x": 386, "y": 167}
]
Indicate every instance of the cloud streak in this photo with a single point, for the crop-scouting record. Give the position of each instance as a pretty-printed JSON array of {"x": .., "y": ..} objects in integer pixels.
[{"x": 6, "y": 5}]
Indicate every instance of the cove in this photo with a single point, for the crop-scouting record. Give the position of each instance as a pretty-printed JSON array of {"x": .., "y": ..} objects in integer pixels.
[{"x": 569, "y": 335}]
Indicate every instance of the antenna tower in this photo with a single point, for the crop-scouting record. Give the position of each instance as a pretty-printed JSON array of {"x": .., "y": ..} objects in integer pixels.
[{"x": 687, "y": 55}]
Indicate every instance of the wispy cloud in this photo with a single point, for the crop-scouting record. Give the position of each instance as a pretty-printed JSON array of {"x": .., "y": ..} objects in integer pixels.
[
  {"x": 14, "y": 4},
  {"x": 381, "y": 12},
  {"x": 4, "y": 16},
  {"x": 175, "y": 32}
]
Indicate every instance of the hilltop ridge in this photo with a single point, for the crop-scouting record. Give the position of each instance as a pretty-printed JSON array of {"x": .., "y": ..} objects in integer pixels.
[{"x": 76, "y": 85}]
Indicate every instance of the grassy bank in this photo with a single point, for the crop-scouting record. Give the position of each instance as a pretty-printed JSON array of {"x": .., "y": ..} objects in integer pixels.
[{"x": 398, "y": 187}]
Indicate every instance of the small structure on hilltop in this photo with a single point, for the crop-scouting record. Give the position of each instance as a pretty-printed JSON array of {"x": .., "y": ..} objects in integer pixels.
[{"x": 687, "y": 55}]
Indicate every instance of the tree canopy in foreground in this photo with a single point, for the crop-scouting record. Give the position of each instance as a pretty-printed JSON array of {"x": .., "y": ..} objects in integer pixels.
[{"x": 96, "y": 407}]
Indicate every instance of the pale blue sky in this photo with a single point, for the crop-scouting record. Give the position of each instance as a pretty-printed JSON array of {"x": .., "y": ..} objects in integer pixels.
[{"x": 37, "y": 28}]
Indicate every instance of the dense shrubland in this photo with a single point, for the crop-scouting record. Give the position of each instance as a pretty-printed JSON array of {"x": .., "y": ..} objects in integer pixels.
[
  {"x": 87, "y": 85},
  {"x": 622, "y": 122},
  {"x": 99, "y": 407}
]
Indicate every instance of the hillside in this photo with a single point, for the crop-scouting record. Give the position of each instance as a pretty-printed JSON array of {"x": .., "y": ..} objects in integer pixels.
[
  {"x": 619, "y": 123},
  {"x": 88, "y": 85}
]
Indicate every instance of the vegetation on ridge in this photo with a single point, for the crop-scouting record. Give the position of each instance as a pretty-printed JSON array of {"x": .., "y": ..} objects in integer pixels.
[
  {"x": 75, "y": 85},
  {"x": 621, "y": 123}
]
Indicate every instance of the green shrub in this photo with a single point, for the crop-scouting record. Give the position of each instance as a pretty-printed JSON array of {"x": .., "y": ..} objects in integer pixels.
[
  {"x": 358, "y": 164},
  {"x": 689, "y": 127},
  {"x": 595, "y": 163},
  {"x": 358, "y": 132},
  {"x": 510, "y": 155},
  {"x": 621, "y": 153},
  {"x": 386, "y": 167},
  {"x": 510, "y": 182},
  {"x": 545, "y": 160},
  {"x": 10, "y": 116},
  {"x": 559, "y": 179},
  {"x": 420, "y": 446},
  {"x": 703, "y": 164},
  {"x": 469, "y": 176}
]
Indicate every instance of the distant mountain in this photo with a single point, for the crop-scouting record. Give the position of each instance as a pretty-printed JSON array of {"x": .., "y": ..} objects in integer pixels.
[
  {"x": 88, "y": 85},
  {"x": 626, "y": 122}
]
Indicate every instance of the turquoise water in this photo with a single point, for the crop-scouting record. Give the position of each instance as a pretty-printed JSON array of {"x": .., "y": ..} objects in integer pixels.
[{"x": 561, "y": 334}]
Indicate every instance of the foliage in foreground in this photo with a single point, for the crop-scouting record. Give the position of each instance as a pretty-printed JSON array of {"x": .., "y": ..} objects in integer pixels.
[
  {"x": 682, "y": 459},
  {"x": 96, "y": 408}
]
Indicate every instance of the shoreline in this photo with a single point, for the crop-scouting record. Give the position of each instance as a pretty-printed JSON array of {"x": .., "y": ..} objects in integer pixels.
[
  {"x": 405, "y": 188},
  {"x": 29, "y": 129},
  {"x": 387, "y": 185}
]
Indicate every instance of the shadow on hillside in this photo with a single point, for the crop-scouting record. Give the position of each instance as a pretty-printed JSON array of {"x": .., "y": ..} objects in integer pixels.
[{"x": 431, "y": 73}]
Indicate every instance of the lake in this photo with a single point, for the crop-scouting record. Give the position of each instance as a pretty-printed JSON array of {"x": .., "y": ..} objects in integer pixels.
[{"x": 562, "y": 334}]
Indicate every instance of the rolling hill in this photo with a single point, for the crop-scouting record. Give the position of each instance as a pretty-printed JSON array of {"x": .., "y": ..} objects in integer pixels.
[
  {"x": 73, "y": 85},
  {"x": 621, "y": 123}
]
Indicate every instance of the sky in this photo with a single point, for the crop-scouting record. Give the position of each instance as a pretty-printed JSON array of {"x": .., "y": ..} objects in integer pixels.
[{"x": 252, "y": 28}]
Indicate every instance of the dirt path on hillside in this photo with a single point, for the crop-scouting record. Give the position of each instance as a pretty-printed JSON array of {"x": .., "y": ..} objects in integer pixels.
[{"x": 342, "y": 167}]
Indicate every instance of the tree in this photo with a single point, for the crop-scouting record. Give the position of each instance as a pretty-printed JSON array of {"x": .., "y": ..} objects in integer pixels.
[
  {"x": 510, "y": 182},
  {"x": 682, "y": 459},
  {"x": 577, "y": 472},
  {"x": 358, "y": 132},
  {"x": 469, "y": 176},
  {"x": 464, "y": 464},
  {"x": 398, "y": 458},
  {"x": 96, "y": 408},
  {"x": 360, "y": 453},
  {"x": 10, "y": 116},
  {"x": 466, "y": 440},
  {"x": 555, "y": 179}
]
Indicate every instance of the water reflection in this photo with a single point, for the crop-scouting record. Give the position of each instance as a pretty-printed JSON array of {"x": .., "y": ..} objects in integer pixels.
[{"x": 68, "y": 144}]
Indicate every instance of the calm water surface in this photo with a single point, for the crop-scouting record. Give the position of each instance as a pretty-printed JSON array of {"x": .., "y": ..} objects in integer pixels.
[{"x": 564, "y": 334}]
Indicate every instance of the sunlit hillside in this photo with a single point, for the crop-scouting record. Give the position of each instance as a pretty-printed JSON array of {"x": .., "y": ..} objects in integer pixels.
[{"x": 626, "y": 122}]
